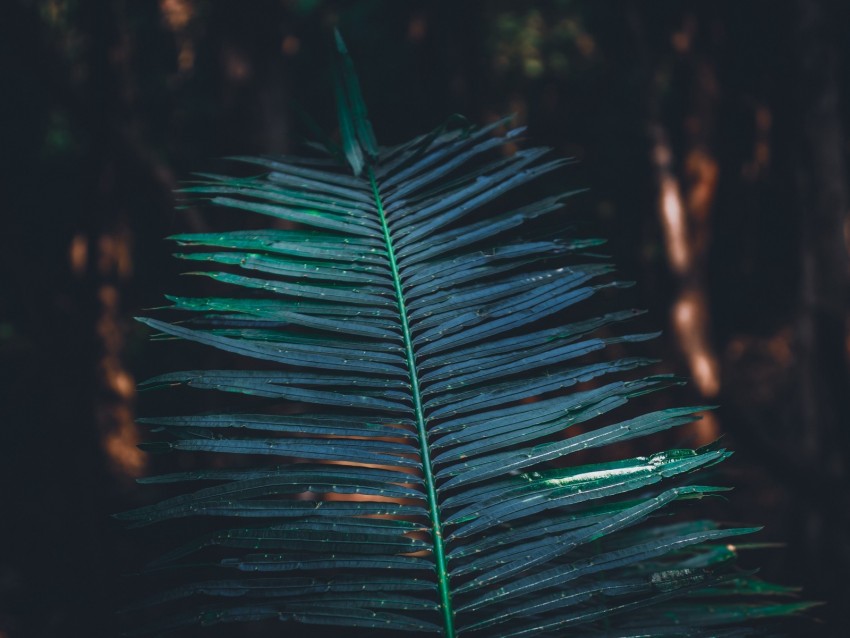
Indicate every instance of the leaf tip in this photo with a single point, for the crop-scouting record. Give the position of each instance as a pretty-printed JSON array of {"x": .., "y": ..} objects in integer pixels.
[{"x": 340, "y": 43}]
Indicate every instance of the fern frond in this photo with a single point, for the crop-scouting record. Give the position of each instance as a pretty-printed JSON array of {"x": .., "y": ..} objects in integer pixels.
[{"x": 417, "y": 363}]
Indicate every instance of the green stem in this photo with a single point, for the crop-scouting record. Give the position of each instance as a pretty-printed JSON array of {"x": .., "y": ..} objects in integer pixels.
[{"x": 424, "y": 451}]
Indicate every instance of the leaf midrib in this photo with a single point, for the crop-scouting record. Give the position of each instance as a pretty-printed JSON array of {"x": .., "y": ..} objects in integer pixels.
[{"x": 424, "y": 451}]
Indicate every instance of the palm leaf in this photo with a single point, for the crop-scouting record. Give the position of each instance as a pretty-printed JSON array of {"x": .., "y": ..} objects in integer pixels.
[{"x": 420, "y": 357}]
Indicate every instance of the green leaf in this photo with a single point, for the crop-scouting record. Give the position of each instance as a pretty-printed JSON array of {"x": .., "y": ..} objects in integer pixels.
[{"x": 419, "y": 354}]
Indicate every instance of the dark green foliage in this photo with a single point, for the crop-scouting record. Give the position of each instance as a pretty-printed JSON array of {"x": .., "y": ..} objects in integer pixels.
[{"x": 403, "y": 330}]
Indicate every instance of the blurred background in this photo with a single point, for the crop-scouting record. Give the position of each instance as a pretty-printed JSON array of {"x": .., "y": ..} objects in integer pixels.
[{"x": 713, "y": 136}]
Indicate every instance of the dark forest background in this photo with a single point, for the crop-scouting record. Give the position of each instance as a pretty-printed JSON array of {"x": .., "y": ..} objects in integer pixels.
[{"x": 713, "y": 136}]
